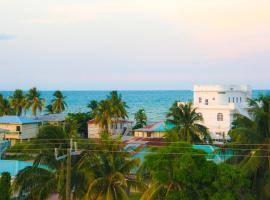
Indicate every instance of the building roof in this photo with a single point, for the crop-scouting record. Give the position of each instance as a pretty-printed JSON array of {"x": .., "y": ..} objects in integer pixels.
[
  {"x": 93, "y": 121},
  {"x": 12, "y": 119},
  {"x": 156, "y": 127},
  {"x": 52, "y": 117}
]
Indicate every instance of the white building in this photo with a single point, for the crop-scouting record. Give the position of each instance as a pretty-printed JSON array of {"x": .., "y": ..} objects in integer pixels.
[
  {"x": 218, "y": 104},
  {"x": 119, "y": 127}
]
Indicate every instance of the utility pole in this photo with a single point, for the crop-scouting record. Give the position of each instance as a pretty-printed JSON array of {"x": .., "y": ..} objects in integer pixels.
[{"x": 68, "y": 176}]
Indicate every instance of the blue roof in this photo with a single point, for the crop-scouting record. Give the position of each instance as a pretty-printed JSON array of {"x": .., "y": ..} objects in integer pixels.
[
  {"x": 52, "y": 117},
  {"x": 12, "y": 119},
  {"x": 157, "y": 127}
]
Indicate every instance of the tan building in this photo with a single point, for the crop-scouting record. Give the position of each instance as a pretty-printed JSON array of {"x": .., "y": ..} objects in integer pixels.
[
  {"x": 18, "y": 127},
  {"x": 156, "y": 130},
  {"x": 117, "y": 128}
]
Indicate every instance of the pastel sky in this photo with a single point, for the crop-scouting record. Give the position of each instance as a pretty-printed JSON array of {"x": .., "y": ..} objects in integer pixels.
[{"x": 133, "y": 44}]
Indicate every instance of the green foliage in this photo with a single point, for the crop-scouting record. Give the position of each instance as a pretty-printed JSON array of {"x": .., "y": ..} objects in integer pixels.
[
  {"x": 81, "y": 120},
  {"x": 108, "y": 169},
  {"x": 179, "y": 172},
  {"x": 34, "y": 101},
  {"x": 140, "y": 118},
  {"x": 254, "y": 130},
  {"x": 93, "y": 105},
  {"x": 5, "y": 107},
  {"x": 58, "y": 103},
  {"x": 188, "y": 123},
  {"x": 18, "y": 101},
  {"x": 5, "y": 186}
]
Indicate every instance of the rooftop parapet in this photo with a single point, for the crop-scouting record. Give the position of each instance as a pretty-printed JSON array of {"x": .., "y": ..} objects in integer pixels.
[{"x": 222, "y": 88}]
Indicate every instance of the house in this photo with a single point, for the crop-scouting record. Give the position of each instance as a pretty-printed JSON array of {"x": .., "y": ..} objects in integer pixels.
[
  {"x": 18, "y": 127},
  {"x": 118, "y": 127},
  {"x": 156, "y": 130},
  {"x": 218, "y": 104},
  {"x": 52, "y": 119}
]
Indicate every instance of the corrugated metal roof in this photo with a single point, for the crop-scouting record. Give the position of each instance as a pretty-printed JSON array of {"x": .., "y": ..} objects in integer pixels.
[
  {"x": 12, "y": 119},
  {"x": 156, "y": 127},
  {"x": 52, "y": 117}
]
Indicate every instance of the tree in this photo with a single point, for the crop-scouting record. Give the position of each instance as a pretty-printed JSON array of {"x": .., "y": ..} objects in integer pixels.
[
  {"x": 178, "y": 171},
  {"x": 18, "y": 101},
  {"x": 58, "y": 103},
  {"x": 93, "y": 105},
  {"x": 49, "y": 109},
  {"x": 108, "y": 168},
  {"x": 251, "y": 130},
  {"x": 118, "y": 107},
  {"x": 5, "y": 107},
  {"x": 34, "y": 101},
  {"x": 140, "y": 118},
  {"x": 5, "y": 186},
  {"x": 188, "y": 123},
  {"x": 81, "y": 120},
  {"x": 104, "y": 114},
  {"x": 47, "y": 176}
]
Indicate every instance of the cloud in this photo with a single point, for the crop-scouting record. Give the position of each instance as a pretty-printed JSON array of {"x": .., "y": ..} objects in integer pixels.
[{"x": 4, "y": 36}]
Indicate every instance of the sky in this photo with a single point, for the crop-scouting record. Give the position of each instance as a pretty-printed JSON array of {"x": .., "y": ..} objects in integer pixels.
[{"x": 133, "y": 44}]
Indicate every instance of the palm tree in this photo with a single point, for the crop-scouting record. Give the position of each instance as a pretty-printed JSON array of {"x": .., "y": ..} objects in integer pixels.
[
  {"x": 108, "y": 168},
  {"x": 34, "y": 101},
  {"x": 47, "y": 176},
  {"x": 5, "y": 107},
  {"x": 118, "y": 106},
  {"x": 140, "y": 118},
  {"x": 93, "y": 105},
  {"x": 188, "y": 123},
  {"x": 17, "y": 101},
  {"x": 104, "y": 114},
  {"x": 58, "y": 103},
  {"x": 251, "y": 130}
]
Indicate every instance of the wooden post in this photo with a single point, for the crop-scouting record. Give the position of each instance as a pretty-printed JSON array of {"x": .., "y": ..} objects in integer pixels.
[{"x": 68, "y": 176}]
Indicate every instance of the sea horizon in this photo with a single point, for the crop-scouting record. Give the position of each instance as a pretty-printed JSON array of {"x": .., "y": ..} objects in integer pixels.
[{"x": 155, "y": 102}]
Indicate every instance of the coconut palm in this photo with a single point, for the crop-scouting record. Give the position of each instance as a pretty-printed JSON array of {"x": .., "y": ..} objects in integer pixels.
[
  {"x": 58, "y": 103},
  {"x": 108, "y": 168},
  {"x": 49, "y": 109},
  {"x": 188, "y": 123},
  {"x": 93, "y": 105},
  {"x": 140, "y": 118},
  {"x": 47, "y": 176},
  {"x": 254, "y": 129},
  {"x": 118, "y": 105},
  {"x": 5, "y": 107},
  {"x": 104, "y": 114},
  {"x": 34, "y": 101},
  {"x": 18, "y": 101}
]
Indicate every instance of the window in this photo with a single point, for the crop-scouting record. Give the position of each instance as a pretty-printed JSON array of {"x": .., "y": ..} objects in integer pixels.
[
  {"x": 236, "y": 99},
  {"x": 200, "y": 99},
  {"x": 206, "y": 102},
  {"x": 148, "y": 134},
  {"x": 121, "y": 125},
  {"x": 219, "y": 117},
  {"x": 240, "y": 99},
  {"x": 18, "y": 128},
  {"x": 229, "y": 99},
  {"x": 233, "y": 99},
  {"x": 115, "y": 126},
  {"x": 112, "y": 126}
]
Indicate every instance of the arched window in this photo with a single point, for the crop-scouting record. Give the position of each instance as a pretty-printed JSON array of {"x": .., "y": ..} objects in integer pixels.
[
  {"x": 206, "y": 102},
  {"x": 220, "y": 117},
  {"x": 200, "y": 99}
]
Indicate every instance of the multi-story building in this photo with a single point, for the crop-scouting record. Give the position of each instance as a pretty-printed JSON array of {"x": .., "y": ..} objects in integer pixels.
[{"x": 218, "y": 104}]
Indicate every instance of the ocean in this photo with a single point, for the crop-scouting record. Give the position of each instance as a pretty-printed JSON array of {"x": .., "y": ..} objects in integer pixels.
[{"x": 156, "y": 103}]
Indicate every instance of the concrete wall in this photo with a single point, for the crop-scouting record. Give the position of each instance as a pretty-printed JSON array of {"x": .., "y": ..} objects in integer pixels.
[{"x": 115, "y": 129}]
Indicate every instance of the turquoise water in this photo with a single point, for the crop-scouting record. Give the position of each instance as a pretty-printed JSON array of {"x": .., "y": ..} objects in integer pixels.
[
  {"x": 13, "y": 166},
  {"x": 156, "y": 103}
]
